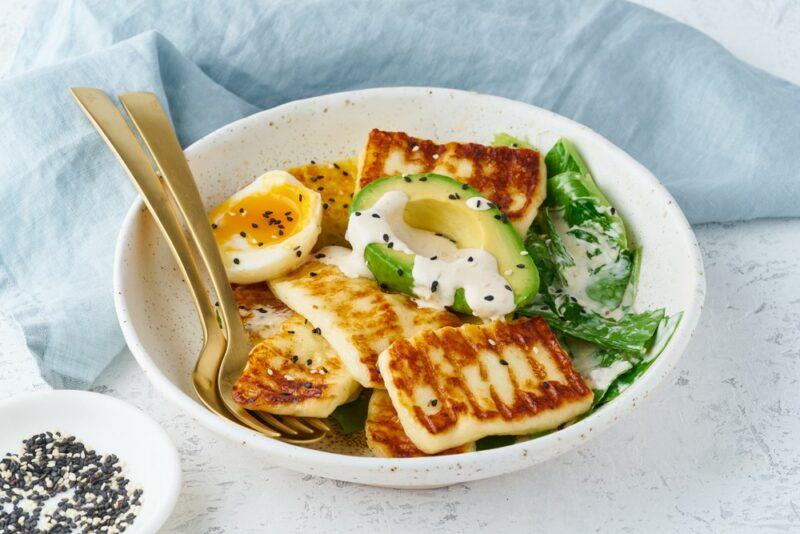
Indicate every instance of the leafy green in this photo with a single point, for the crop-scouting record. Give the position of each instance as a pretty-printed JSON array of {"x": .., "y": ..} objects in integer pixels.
[
  {"x": 666, "y": 329},
  {"x": 631, "y": 332},
  {"x": 558, "y": 252},
  {"x": 493, "y": 442},
  {"x": 504, "y": 139},
  {"x": 540, "y": 254},
  {"x": 633, "y": 283},
  {"x": 352, "y": 416}
]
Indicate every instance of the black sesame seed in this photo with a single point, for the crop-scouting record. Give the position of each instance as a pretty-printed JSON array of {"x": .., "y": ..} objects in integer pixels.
[
  {"x": 241, "y": 210},
  {"x": 464, "y": 187},
  {"x": 324, "y": 205},
  {"x": 335, "y": 166},
  {"x": 260, "y": 244},
  {"x": 319, "y": 255},
  {"x": 613, "y": 211},
  {"x": 308, "y": 385},
  {"x": 390, "y": 244},
  {"x": 434, "y": 402},
  {"x": 312, "y": 273},
  {"x": 320, "y": 188},
  {"x": 309, "y": 361},
  {"x": 407, "y": 179},
  {"x": 295, "y": 357},
  {"x": 300, "y": 197},
  {"x": 384, "y": 287},
  {"x": 470, "y": 259},
  {"x": 288, "y": 218},
  {"x": 520, "y": 266},
  {"x": 236, "y": 261},
  {"x": 508, "y": 287},
  {"x": 434, "y": 258},
  {"x": 503, "y": 362},
  {"x": 266, "y": 214},
  {"x": 262, "y": 310},
  {"x": 376, "y": 216},
  {"x": 488, "y": 297},
  {"x": 399, "y": 272},
  {"x": 423, "y": 179},
  {"x": 298, "y": 253},
  {"x": 313, "y": 162},
  {"x": 324, "y": 370},
  {"x": 386, "y": 238},
  {"x": 242, "y": 234},
  {"x": 317, "y": 330},
  {"x": 357, "y": 214},
  {"x": 434, "y": 286},
  {"x": 290, "y": 331},
  {"x": 213, "y": 226},
  {"x": 254, "y": 225}
]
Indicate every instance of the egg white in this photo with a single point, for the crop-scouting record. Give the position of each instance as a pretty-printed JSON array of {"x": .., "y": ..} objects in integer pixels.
[{"x": 259, "y": 264}]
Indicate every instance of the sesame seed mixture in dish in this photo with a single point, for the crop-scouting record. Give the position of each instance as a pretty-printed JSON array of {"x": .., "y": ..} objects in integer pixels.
[
  {"x": 56, "y": 484},
  {"x": 436, "y": 298}
]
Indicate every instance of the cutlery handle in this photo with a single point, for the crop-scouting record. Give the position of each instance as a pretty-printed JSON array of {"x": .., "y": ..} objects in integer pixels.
[
  {"x": 156, "y": 130},
  {"x": 111, "y": 125}
]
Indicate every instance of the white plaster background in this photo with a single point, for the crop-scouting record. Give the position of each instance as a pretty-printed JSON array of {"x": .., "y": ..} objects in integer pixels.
[{"x": 716, "y": 448}]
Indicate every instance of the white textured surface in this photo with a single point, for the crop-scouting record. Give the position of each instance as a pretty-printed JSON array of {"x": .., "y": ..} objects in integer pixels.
[{"x": 716, "y": 448}]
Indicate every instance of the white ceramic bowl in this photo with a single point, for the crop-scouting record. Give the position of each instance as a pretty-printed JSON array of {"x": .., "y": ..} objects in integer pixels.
[
  {"x": 159, "y": 322},
  {"x": 108, "y": 426}
]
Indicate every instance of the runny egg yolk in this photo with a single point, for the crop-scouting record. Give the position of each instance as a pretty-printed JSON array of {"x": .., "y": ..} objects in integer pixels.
[{"x": 262, "y": 219}]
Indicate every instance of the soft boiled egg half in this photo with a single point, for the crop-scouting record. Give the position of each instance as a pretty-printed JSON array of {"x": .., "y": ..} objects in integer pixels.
[{"x": 267, "y": 228}]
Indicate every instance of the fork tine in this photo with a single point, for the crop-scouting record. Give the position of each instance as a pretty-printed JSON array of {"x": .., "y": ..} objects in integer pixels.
[
  {"x": 277, "y": 423},
  {"x": 298, "y": 424},
  {"x": 319, "y": 424}
]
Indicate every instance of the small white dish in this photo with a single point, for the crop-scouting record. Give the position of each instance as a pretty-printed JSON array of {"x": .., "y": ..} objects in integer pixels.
[
  {"x": 109, "y": 426},
  {"x": 161, "y": 328}
]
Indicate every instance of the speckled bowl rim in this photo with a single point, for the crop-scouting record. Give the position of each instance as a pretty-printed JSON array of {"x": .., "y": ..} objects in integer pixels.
[{"x": 437, "y": 470}]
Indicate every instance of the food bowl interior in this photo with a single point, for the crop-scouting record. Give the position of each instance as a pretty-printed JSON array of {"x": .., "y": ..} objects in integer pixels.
[{"x": 159, "y": 320}]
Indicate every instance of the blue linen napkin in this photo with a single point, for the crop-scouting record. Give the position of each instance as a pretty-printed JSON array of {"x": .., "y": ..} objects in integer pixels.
[{"x": 720, "y": 134}]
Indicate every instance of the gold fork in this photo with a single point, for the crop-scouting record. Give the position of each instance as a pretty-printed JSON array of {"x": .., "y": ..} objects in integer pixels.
[{"x": 220, "y": 361}]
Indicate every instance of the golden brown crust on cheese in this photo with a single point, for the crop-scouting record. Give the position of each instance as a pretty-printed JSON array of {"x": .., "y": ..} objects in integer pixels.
[
  {"x": 291, "y": 368},
  {"x": 411, "y": 366},
  {"x": 369, "y": 318},
  {"x": 512, "y": 178},
  {"x": 261, "y": 312},
  {"x": 335, "y": 182},
  {"x": 385, "y": 435}
]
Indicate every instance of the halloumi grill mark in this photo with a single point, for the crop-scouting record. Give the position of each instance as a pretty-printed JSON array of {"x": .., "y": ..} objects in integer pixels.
[
  {"x": 456, "y": 385},
  {"x": 385, "y": 435},
  {"x": 513, "y": 178},
  {"x": 261, "y": 313},
  {"x": 354, "y": 315},
  {"x": 294, "y": 372}
]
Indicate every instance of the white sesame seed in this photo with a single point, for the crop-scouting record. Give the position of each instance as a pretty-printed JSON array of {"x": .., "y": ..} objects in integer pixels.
[
  {"x": 508, "y": 272},
  {"x": 270, "y": 372},
  {"x": 416, "y": 147},
  {"x": 523, "y": 253},
  {"x": 436, "y": 156},
  {"x": 492, "y": 342}
]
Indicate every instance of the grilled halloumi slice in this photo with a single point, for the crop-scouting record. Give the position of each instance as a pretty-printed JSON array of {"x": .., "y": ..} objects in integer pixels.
[
  {"x": 294, "y": 372},
  {"x": 513, "y": 178},
  {"x": 456, "y": 385},
  {"x": 385, "y": 435},
  {"x": 261, "y": 313},
  {"x": 354, "y": 315},
  {"x": 335, "y": 182}
]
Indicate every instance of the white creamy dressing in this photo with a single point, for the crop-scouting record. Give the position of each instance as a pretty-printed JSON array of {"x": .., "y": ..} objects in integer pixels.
[
  {"x": 587, "y": 363},
  {"x": 601, "y": 378},
  {"x": 580, "y": 276},
  {"x": 440, "y": 267},
  {"x": 478, "y": 203}
]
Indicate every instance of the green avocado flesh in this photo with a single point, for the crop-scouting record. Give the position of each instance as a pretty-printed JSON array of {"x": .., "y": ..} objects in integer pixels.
[{"x": 437, "y": 204}]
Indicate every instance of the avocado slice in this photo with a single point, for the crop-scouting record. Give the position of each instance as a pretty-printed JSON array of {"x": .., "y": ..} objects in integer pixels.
[{"x": 437, "y": 204}]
